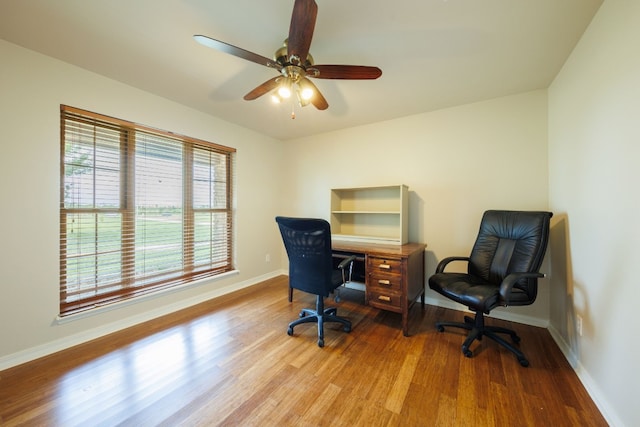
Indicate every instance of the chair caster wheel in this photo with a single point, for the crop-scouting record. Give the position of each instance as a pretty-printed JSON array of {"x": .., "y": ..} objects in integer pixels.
[
  {"x": 302, "y": 314},
  {"x": 523, "y": 362},
  {"x": 440, "y": 328},
  {"x": 290, "y": 332},
  {"x": 347, "y": 329},
  {"x": 467, "y": 352},
  {"x": 320, "y": 342},
  {"x": 515, "y": 339}
]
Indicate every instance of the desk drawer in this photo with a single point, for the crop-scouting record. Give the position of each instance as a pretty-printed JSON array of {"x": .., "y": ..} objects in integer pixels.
[
  {"x": 385, "y": 282},
  {"x": 385, "y": 300},
  {"x": 384, "y": 265}
]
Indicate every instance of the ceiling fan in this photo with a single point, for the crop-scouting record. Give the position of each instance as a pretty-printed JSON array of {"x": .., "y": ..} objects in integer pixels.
[{"x": 295, "y": 63}]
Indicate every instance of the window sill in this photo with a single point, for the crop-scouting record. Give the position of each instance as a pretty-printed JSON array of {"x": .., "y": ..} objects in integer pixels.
[{"x": 60, "y": 320}]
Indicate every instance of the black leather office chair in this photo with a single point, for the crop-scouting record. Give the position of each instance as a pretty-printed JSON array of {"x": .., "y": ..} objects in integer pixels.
[
  {"x": 308, "y": 245},
  {"x": 502, "y": 270}
]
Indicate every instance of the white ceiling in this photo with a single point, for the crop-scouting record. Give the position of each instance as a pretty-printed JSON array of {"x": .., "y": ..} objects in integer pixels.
[{"x": 433, "y": 53}]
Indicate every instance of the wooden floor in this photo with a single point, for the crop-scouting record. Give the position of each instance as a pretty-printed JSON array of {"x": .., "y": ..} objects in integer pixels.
[{"x": 230, "y": 362}]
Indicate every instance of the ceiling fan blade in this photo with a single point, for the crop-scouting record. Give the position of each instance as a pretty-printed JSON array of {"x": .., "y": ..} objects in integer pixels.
[
  {"x": 303, "y": 22},
  {"x": 317, "y": 99},
  {"x": 347, "y": 72},
  {"x": 236, "y": 51},
  {"x": 265, "y": 87}
]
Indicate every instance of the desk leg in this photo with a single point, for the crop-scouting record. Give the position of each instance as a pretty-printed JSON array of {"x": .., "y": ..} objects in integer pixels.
[
  {"x": 405, "y": 314},
  {"x": 405, "y": 323}
]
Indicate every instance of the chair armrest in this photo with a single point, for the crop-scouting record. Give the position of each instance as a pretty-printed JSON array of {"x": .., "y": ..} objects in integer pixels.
[
  {"x": 507, "y": 284},
  {"x": 346, "y": 262},
  {"x": 443, "y": 263}
]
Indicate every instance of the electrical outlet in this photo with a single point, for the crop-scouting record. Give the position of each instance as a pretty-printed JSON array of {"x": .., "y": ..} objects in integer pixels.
[
  {"x": 267, "y": 258},
  {"x": 579, "y": 324}
]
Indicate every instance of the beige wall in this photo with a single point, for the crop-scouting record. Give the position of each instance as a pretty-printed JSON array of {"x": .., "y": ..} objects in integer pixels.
[
  {"x": 32, "y": 87},
  {"x": 594, "y": 149},
  {"x": 457, "y": 163}
]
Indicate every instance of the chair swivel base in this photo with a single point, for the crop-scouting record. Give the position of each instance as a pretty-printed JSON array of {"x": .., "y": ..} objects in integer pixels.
[
  {"x": 320, "y": 316},
  {"x": 478, "y": 330}
]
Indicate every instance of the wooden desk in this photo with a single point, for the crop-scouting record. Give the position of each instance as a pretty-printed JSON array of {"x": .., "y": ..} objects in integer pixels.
[{"x": 394, "y": 275}]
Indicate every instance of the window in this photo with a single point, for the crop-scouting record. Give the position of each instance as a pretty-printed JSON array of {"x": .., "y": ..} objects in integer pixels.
[{"x": 140, "y": 210}]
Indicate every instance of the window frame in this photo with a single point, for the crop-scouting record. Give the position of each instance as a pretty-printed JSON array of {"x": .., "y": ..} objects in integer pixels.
[{"x": 129, "y": 285}]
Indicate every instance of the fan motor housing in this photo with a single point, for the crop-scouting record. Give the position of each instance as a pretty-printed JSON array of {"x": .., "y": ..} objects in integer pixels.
[{"x": 282, "y": 57}]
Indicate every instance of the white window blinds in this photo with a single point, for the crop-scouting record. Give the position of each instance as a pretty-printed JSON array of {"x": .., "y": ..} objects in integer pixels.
[{"x": 141, "y": 210}]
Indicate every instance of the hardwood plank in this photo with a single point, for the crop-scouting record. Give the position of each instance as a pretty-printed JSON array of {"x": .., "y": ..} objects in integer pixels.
[
  {"x": 229, "y": 361},
  {"x": 400, "y": 387}
]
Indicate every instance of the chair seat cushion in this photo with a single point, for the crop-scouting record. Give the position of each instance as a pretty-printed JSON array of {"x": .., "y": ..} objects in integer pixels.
[{"x": 466, "y": 289}]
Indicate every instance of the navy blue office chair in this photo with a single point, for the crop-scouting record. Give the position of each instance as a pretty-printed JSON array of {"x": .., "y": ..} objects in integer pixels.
[
  {"x": 502, "y": 270},
  {"x": 308, "y": 245}
]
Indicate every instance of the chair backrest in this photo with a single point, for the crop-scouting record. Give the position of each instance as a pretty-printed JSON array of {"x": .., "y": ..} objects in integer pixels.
[
  {"x": 308, "y": 245},
  {"x": 508, "y": 242}
]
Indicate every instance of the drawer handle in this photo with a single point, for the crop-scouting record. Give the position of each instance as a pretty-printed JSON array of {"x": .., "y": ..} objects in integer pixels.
[
  {"x": 385, "y": 266},
  {"x": 384, "y": 298},
  {"x": 384, "y": 282}
]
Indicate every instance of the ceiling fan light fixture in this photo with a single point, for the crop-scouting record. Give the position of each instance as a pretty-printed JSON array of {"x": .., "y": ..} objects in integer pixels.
[
  {"x": 306, "y": 96},
  {"x": 284, "y": 90},
  {"x": 303, "y": 102},
  {"x": 305, "y": 92}
]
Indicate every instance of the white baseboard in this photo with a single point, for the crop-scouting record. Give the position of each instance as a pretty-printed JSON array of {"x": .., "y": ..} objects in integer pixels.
[{"x": 589, "y": 384}]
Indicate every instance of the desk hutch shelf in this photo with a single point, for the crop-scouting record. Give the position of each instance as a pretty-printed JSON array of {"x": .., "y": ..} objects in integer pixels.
[{"x": 370, "y": 214}]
